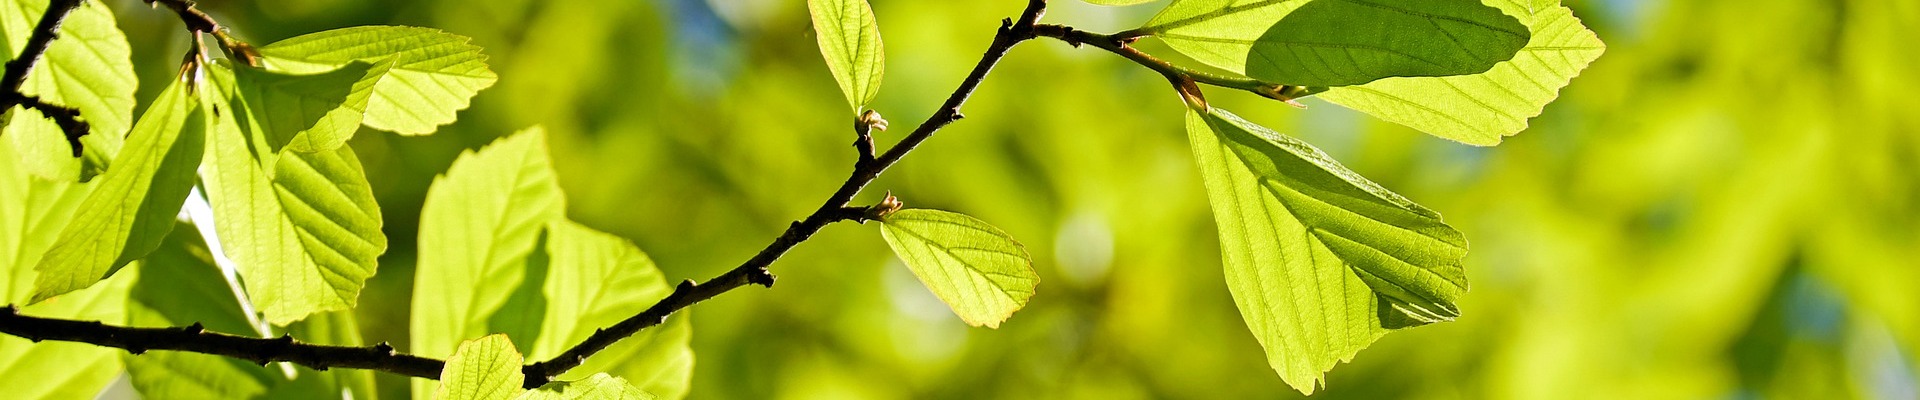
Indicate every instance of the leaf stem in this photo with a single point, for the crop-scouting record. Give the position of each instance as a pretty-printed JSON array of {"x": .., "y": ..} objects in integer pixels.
[{"x": 1121, "y": 44}]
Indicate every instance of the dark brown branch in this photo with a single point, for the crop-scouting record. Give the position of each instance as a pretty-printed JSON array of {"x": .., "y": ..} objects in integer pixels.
[
  {"x": 16, "y": 74},
  {"x": 834, "y": 209},
  {"x": 194, "y": 339},
  {"x": 381, "y": 357}
]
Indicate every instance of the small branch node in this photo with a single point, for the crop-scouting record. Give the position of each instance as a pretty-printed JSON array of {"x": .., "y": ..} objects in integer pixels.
[
  {"x": 760, "y": 276},
  {"x": 194, "y": 329}
]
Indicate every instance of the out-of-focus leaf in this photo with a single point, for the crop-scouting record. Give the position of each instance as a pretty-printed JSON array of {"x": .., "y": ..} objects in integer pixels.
[
  {"x": 302, "y": 228},
  {"x": 1339, "y": 42},
  {"x": 595, "y": 280},
  {"x": 179, "y": 285},
  {"x": 33, "y": 210},
  {"x": 479, "y": 224},
  {"x": 1320, "y": 261},
  {"x": 134, "y": 205},
  {"x": 435, "y": 73},
  {"x": 87, "y": 67},
  {"x": 64, "y": 370},
  {"x": 309, "y": 113},
  {"x": 849, "y": 38},
  {"x": 1118, "y": 2},
  {"x": 978, "y": 270},
  {"x": 487, "y": 368},
  {"x": 1479, "y": 109},
  {"x": 596, "y": 387}
]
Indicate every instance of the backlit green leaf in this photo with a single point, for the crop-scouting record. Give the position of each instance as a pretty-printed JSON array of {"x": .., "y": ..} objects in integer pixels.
[
  {"x": 179, "y": 285},
  {"x": 309, "y": 113},
  {"x": 302, "y": 228},
  {"x": 435, "y": 73},
  {"x": 595, "y": 280},
  {"x": 478, "y": 226},
  {"x": 1118, "y": 2},
  {"x": 1339, "y": 42},
  {"x": 1320, "y": 261},
  {"x": 134, "y": 205},
  {"x": 979, "y": 271},
  {"x": 596, "y": 387},
  {"x": 1481, "y": 108},
  {"x": 487, "y": 368},
  {"x": 849, "y": 38},
  {"x": 33, "y": 210},
  {"x": 87, "y": 68},
  {"x": 65, "y": 370}
]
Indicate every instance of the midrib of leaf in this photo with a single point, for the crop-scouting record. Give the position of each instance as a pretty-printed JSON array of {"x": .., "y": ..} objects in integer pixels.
[{"x": 978, "y": 278}]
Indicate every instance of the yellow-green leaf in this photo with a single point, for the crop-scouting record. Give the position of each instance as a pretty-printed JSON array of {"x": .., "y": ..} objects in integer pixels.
[
  {"x": 1482, "y": 108},
  {"x": 849, "y": 38},
  {"x": 435, "y": 74},
  {"x": 1320, "y": 261},
  {"x": 487, "y": 368},
  {"x": 978, "y": 270},
  {"x": 1339, "y": 42}
]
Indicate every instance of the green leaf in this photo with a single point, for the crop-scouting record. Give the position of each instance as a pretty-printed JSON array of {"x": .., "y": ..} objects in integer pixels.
[
  {"x": 435, "y": 73},
  {"x": 1320, "y": 261},
  {"x": 134, "y": 205},
  {"x": 65, "y": 370},
  {"x": 303, "y": 229},
  {"x": 979, "y": 271},
  {"x": 88, "y": 67},
  {"x": 179, "y": 285},
  {"x": 1339, "y": 42},
  {"x": 596, "y": 280},
  {"x": 487, "y": 368},
  {"x": 596, "y": 387},
  {"x": 1118, "y": 2},
  {"x": 309, "y": 113},
  {"x": 849, "y": 38},
  {"x": 33, "y": 210},
  {"x": 1480, "y": 109},
  {"x": 479, "y": 224}
]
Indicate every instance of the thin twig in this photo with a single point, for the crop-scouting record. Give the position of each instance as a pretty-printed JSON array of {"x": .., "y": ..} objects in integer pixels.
[
  {"x": 1121, "y": 44},
  {"x": 16, "y": 74},
  {"x": 381, "y": 357},
  {"x": 755, "y": 270}
]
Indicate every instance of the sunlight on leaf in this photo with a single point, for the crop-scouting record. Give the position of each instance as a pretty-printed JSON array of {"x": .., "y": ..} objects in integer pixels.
[
  {"x": 978, "y": 270},
  {"x": 487, "y": 368},
  {"x": 434, "y": 76},
  {"x": 88, "y": 68},
  {"x": 596, "y": 387},
  {"x": 849, "y": 38},
  {"x": 1480, "y": 109},
  {"x": 597, "y": 279},
  {"x": 1320, "y": 261},
  {"x": 1339, "y": 42},
  {"x": 134, "y": 204}
]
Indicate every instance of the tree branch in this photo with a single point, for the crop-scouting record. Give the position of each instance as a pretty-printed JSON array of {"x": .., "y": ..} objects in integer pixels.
[
  {"x": 16, "y": 74},
  {"x": 382, "y": 357},
  {"x": 754, "y": 270},
  {"x": 1121, "y": 44},
  {"x": 194, "y": 339}
]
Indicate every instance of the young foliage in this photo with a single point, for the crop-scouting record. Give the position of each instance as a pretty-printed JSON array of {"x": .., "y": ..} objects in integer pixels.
[
  {"x": 33, "y": 210},
  {"x": 88, "y": 69},
  {"x": 1479, "y": 109},
  {"x": 302, "y": 227},
  {"x": 58, "y": 370},
  {"x": 850, "y": 40},
  {"x": 308, "y": 113},
  {"x": 179, "y": 285},
  {"x": 480, "y": 222},
  {"x": 434, "y": 74},
  {"x": 487, "y": 368},
  {"x": 1339, "y": 42},
  {"x": 134, "y": 204},
  {"x": 594, "y": 280},
  {"x": 978, "y": 270},
  {"x": 498, "y": 255},
  {"x": 1117, "y": 2},
  {"x": 1319, "y": 260}
]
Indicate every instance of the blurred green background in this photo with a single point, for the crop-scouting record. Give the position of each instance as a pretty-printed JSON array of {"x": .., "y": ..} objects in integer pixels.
[{"x": 1725, "y": 205}]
